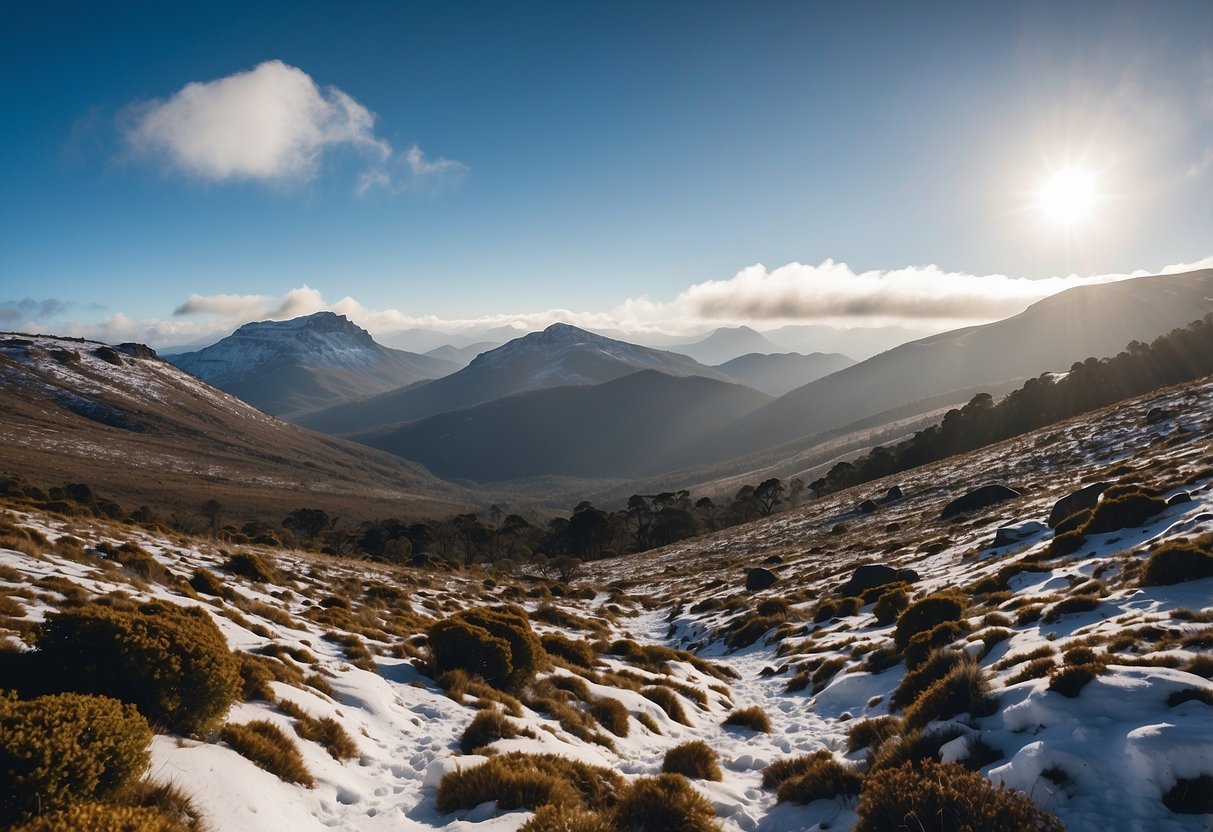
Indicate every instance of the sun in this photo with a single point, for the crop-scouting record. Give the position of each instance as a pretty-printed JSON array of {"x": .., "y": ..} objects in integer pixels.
[{"x": 1068, "y": 196}]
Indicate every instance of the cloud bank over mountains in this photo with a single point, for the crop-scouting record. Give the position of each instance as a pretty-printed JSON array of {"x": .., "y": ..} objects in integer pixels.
[{"x": 923, "y": 298}]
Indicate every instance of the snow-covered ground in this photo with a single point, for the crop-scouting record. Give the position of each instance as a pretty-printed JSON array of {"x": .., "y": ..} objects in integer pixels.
[{"x": 1109, "y": 754}]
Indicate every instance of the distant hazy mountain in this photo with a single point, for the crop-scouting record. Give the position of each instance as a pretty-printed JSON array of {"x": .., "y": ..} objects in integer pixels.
[
  {"x": 141, "y": 431},
  {"x": 1050, "y": 335},
  {"x": 559, "y": 356},
  {"x": 783, "y": 372},
  {"x": 621, "y": 428},
  {"x": 727, "y": 343},
  {"x": 858, "y": 342},
  {"x": 292, "y": 367},
  {"x": 462, "y": 356}
]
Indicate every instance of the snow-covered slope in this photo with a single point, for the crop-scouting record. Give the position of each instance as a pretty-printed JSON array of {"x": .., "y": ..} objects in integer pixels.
[
  {"x": 559, "y": 356},
  {"x": 289, "y": 367}
]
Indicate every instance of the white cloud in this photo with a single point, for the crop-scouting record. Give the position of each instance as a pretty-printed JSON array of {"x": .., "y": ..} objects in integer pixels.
[
  {"x": 270, "y": 124},
  {"x": 243, "y": 308},
  {"x": 411, "y": 170}
]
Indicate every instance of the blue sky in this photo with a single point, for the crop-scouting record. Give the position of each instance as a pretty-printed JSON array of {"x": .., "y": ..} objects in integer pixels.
[{"x": 621, "y": 161}]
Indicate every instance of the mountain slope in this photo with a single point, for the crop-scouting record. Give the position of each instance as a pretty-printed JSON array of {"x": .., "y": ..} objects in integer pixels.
[
  {"x": 462, "y": 356},
  {"x": 142, "y": 431},
  {"x": 781, "y": 373},
  {"x": 619, "y": 428},
  {"x": 292, "y": 367},
  {"x": 727, "y": 343},
  {"x": 1048, "y": 336},
  {"x": 559, "y": 356}
]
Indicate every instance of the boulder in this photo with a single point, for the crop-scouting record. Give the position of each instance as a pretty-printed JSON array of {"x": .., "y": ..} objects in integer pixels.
[
  {"x": 759, "y": 578},
  {"x": 1008, "y": 535},
  {"x": 868, "y": 506},
  {"x": 1083, "y": 498},
  {"x": 772, "y": 560},
  {"x": 982, "y": 497},
  {"x": 1157, "y": 414},
  {"x": 1179, "y": 498},
  {"x": 874, "y": 575},
  {"x": 893, "y": 494}
]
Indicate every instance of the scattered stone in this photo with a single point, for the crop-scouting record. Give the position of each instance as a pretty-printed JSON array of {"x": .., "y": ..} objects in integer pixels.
[
  {"x": 874, "y": 575},
  {"x": 1179, "y": 498},
  {"x": 893, "y": 494},
  {"x": 772, "y": 560},
  {"x": 1008, "y": 535},
  {"x": 1084, "y": 498},
  {"x": 982, "y": 497},
  {"x": 1157, "y": 414},
  {"x": 758, "y": 579},
  {"x": 868, "y": 506}
]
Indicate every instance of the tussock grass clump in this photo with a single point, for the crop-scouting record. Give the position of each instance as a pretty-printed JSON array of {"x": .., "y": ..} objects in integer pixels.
[
  {"x": 496, "y": 644},
  {"x": 255, "y": 677},
  {"x": 172, "y": 663},
  {"x": 270, "y": 748},
  {"x": 102, "y": 817},
  {"x": 753, "y": 717},
  {"x": 964, "y": 690},
  {"x": 1179, "y": 561},
  {"x": 1035, "y": 669},
  {"x": 668, "y": 701},
  {"x": 922, "y": 644},
  {"x": 528, "y": 781},
  {"x": 826, "y": 671},
  {"x": 695, "y": 760},
  {"x": 577, "y": 652},
  {"x": 325, "y": 731},
  {"x": 649, "y": 723},
  {"x": 611, "y": 714},
  {"x": 870, "y": 733},
  {"x": 353, "y": 648},
  {"x": 948, "y": 798},
  {"x": 488, "y": 727},
  {"x": 1070, "y": 605},
  {"x": 56, "y": 750},
  {"x": 1123, "y": 510},
  {"x": 204, "y": 582},
  {"x": 553, "y": 818},
  {"x": 822, "y": 778},
  {"x": 937, "y": 666},
  {"x": 666, "y": 802},
  {"x": 925, "y": 614},
  {"x": 249, "y": 565},
  {"x": 1070, "y": 679},
  {"x": 750, "y": 629},
  {"x": 890, "y": 604},
  {"x": 881, "y": 659}
]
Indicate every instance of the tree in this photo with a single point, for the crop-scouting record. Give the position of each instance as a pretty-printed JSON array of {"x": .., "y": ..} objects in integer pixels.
[
  {"x": 767, "y": 495},
  {"x": 590, "y": 531},
  {"x": 212, "y": 510},
  {"x": 308, "y": 523}
]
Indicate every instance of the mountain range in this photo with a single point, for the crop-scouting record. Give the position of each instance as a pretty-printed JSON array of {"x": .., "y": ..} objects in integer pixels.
[{"x": 292, "y": 367}]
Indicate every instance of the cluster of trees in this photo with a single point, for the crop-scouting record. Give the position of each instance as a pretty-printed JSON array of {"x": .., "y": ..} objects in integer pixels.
[{"x": 1182, "y": 355}]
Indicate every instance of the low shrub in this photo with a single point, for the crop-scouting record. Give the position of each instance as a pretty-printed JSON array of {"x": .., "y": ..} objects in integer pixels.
[
  {"x": 552, "y": 818},
  {"x": 103, "y": 817},
  {"x": 1177, "y": 562},
  {"x": 1069, "y": 606},
  {"x": 611, "y": 715},
  {"x": 1125, "y": 511},
  {"x": 870, "y": 733},
  {"x": 1070, "y": 679},
  {"x": 64, "y": 748},
  {"x": 772, "y": 607},
  {"x": 249, "y": 565},
  {"x": 270, "y": 748},
  {"x": 889, "y": 605},
  {"x": 528, "y": 781},
  {"x": 255, "y": 677},
  {"x": 664, "y": 802},
  {"x": 578, "y": 652},
  {"x": 937, "y": 665},
  {"x": 1035, "y": 669},
  {"x": 823, "y": 778},
  {"x": 325, "y": 731},
  {"x": 496, "y": 644},
  {"x": 751, "y": 630},
  {"x": 753, "y": 717},
  {"x": 488, "y": 727},
  {"x": 964, "y": 690},
  {"x": 668, "y": 701},
  {"x": 204, "y": 582},
  {"x": 947, "y": 798},
  {"x": 695, "y": 760},
  {"x": 826, "y": 671},
  {"x": 1065, "y": 543},
  {"x": 922, "y": 644},
  {"x": 881, "y": 659},
  {"x": 924, "y": 615},
  {"x": 172, "y": 663}
]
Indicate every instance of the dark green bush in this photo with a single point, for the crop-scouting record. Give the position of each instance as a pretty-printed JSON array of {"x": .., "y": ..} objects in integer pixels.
[
  {"x": 926, "y": 614},
  {"x": 57, "y": 750},
  {"x": 823, "y": 778},
  {"x": 665, "y": 802},
  {"x": 172, "y": 663},
  {"x": 496, "y": 644},
  {"x": 695, "y": 760},
  {"x": 1178, "y": 561},
  {"x": 269, "y": 747},
  {"x": 945, "y": 798}
]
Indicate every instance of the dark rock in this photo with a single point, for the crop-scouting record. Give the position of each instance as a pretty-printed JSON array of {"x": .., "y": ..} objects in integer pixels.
[
  {"x": 1179, "y": 498},
  {"x": 868, "y": 506},
  {"x": 839, "y": 529},
  {"x": 893, "y": 527},
  {"x": 1009, "y": 535},
  {"x": 109, "y": 355},
  {"x": 982, "y": 497},
  {"x": 773, "y": 559},
  {"x": 1157, "y": 414},
  {"x": 892, "y": 494},
  {"x": 874, "y": 575},
  {"x": 1084, "y": 498},
  {"x": 137, "y": 350},
  {"x": 421, "y": 559},
  {"x": 758, "y": 579}
]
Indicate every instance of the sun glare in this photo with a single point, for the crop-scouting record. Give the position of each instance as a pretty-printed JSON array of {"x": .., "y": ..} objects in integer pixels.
[{"x": 1068, "y": 196}]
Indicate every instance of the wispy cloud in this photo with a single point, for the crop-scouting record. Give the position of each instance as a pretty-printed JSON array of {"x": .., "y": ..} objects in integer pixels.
[
  {"x": 411, "y": 170},
  {"x": 272, "y": 124},
  {"x": 18, "y": 312}
]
